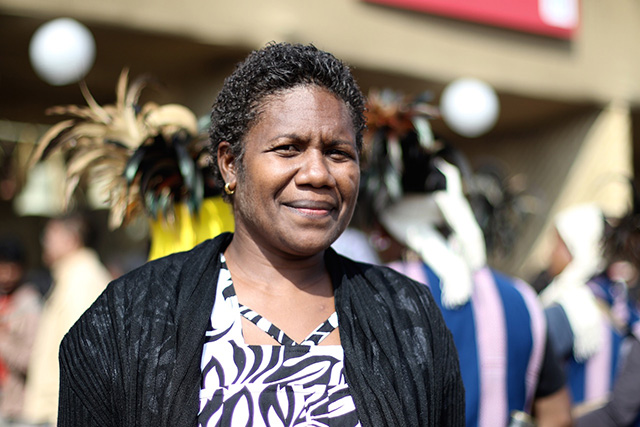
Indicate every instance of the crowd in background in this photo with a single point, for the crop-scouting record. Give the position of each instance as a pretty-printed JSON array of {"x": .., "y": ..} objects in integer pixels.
[
  {"x": 32, "y": 324},
  {"x": 588, "y": 302},
  {"x": 563, "y": 349}
]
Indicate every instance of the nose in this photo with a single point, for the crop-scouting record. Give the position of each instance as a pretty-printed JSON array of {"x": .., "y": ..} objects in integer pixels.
[{"x": 314, "y": 170}]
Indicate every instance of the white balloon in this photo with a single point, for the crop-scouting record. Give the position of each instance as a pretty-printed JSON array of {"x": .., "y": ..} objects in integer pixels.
[
  {"x": 470, "y": 107},
  {"x": 62, "y": 51}
]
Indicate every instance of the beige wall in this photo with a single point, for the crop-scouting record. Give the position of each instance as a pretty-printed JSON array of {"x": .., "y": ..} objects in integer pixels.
[
  {"x": 598, "y": 175},
  {"x": 600, "y": 64}
]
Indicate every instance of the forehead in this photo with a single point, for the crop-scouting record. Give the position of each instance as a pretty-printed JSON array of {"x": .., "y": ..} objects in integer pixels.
[{"x": 304, "y": 104}]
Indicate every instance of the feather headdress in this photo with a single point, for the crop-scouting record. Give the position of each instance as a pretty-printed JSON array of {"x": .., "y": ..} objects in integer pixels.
[
  {"x": 414, "y": 191},
  {"x": 501, "y": 204},
  {"x": 392, "y": 120},
  {"x": 147, "y": 157}
]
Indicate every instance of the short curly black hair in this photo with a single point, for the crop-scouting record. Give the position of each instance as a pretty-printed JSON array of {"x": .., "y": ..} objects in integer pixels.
[{"x": 270, "y": 70}]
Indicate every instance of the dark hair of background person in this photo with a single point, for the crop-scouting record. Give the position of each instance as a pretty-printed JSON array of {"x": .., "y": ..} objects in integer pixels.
[
  {"x": 267, "y": 72},
  {"x": 622, "y": 235},
  {"x": 622, "y": 240},
  {"x": 12, "y": 250}
]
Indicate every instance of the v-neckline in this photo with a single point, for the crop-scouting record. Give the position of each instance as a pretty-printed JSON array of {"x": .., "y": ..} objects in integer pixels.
[{"x": 314, "y": 338}]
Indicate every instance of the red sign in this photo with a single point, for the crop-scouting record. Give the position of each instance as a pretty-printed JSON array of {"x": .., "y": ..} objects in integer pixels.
[{"x": 556, "y": 18}]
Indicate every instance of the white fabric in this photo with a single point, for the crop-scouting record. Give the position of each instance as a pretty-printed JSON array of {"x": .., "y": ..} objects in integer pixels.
[
  {"x": 413, "y": 221},
  {"x": 456, "y": 209},
  {"x": 78, "y": 279},
  {"x": 354, "y": 244},
  {"x": 582, "y": 229}
]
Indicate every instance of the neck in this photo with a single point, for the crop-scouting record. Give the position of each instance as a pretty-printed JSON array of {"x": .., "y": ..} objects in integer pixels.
[{"x": 274, "y": 271}]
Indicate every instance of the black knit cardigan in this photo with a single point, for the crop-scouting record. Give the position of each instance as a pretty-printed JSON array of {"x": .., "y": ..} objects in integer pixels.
[{"x": 133, "y": 359}]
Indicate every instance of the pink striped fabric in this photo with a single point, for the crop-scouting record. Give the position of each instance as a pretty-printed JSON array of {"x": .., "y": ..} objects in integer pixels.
[
  {"x": 538, "y": 332},
  {"x": 598, "y": 367},
  {"x": 413, "y": 270},
  {"x": 492, "y": 350}
]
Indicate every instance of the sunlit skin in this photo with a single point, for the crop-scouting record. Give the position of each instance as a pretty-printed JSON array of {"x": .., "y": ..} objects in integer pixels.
[
  {"x": 560, "y": 256},
  {"x": 293, "y": 197},
  {"x": 58, "y": 241}
]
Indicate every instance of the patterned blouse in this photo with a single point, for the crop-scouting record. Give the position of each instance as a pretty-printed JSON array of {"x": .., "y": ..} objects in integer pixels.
[{"x": 262, "y": 385}]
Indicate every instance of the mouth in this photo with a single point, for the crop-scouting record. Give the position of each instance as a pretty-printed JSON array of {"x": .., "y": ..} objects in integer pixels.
[{"x": 312, "y": 208}]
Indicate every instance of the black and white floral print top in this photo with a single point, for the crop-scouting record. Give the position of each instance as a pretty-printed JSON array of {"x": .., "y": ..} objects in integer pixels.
[{"x": 261, "y": 385}]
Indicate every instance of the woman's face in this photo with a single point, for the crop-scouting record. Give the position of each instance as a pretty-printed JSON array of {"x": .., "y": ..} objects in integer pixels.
[{"x": 300, "y": 173}]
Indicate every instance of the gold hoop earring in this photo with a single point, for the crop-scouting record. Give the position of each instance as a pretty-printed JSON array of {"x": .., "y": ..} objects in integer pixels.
[{"x": 228, "y": 190}]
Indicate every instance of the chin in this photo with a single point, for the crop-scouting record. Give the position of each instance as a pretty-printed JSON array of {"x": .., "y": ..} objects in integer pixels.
[
  {"x": 311, "y": 245},
  {"x": 308, "y": 250}
]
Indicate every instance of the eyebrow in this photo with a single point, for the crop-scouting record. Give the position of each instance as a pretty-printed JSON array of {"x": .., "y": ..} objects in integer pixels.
[
  {"x": 295, "y": 136},
  {"x": 335, "y": 142}
]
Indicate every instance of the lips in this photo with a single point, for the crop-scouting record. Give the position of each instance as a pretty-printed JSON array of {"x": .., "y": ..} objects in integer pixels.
[{"x": 312, "y": 207}]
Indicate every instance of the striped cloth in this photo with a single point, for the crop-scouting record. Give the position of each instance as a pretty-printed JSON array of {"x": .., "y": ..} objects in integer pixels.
[
  {"x": 500, "y": 337},
  {"x": 592, "y": 379}
]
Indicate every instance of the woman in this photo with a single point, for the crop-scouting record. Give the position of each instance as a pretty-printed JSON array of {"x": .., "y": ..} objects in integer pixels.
[{"x": 286, "y": 134}]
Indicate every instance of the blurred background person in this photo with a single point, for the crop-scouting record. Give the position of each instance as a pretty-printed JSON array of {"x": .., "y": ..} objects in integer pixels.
[
  {"x": 415, "y": 187},
  {"x": 78, "y": 278},
  {"x": 571, "y": 306},
  {"x": 20, "y": 305},
  {"x": 595, "y": 324}
]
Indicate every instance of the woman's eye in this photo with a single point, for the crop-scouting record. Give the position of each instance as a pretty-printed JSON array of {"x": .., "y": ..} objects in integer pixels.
[
  {"x": 339, "y": 154},
  {"x": 286, "y": 149}
]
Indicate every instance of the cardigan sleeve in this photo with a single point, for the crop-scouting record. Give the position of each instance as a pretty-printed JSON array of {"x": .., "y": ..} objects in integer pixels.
[
  {"x": 400, "y": 359},
  {"x": 86, "y": 370},
  {"x": 133, "y": 358},
  {"x": 453, "y": 393},
  {"x": 72, "y": 410}
]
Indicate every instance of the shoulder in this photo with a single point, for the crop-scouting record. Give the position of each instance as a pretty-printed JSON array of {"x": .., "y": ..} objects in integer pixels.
[
  {"x": 370, "y": 296},
  {"x": 386, "y": 278},
  {"x": 167, "y": 275},
  {"x": 390, "y": 289},
  {"x": 151, "y": 291}
]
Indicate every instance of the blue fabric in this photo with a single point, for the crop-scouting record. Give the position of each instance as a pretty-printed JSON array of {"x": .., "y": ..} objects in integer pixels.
[
  {"x": 559, "y": 332},
  {"x": 519, "y": 343},
  {"x": 607, "y": 292},
  {"x": 616, "y": 345},
  {"x": 519, "y": 340},
  {"x": 461, "y": 323},
  {"x": 577, "y": 372}
]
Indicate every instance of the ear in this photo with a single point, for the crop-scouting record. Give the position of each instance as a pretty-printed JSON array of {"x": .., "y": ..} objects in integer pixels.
[{"x": 227, "y": 163}]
